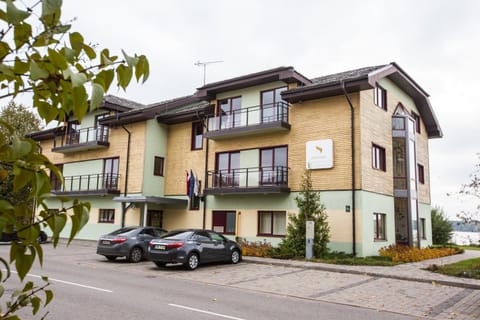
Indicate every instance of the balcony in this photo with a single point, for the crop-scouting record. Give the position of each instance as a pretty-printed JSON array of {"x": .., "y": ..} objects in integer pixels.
[
  {"x": 91, "y": 184},
  {"x": 254, "y": 120},
  {"x": 81, "y": 140},
  {"x": 248, "y": 181}
]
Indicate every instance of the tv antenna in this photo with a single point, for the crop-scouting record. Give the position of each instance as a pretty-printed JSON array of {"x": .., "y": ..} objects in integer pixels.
[{"x": 204, "y": 65}]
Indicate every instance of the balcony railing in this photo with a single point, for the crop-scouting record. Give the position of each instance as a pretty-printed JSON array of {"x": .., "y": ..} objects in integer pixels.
[
  {"x": 102, "y": 183},
  {"x": 81, "y": 139},
  {"x": 267, "y": 116},
  {"x": 248, "y": 180}
]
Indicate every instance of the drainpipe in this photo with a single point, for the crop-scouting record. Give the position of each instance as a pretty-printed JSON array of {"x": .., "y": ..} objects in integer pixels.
[
  {"x": 205, "y": 184},
  {"x": 124, "y": 210},
  {"x": 352, "y": 129}
]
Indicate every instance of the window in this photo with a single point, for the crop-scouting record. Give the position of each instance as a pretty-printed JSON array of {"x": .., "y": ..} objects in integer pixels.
[
  {"x": 229, "y": 111},
  {"x": 55, "y": 182},
  {"x": 110, "y": 171},
  {"x": 273, "y": 165},
  {"x": 101, "y": 131},
  {"x": 379, "y": 226},
  {"x": 421, "y": 230},
  {"x": 380, "y": 97},
  {"x": 272, "y": 223},
  {"x": 158, "y": 166},
  {"x": 227, "y": 173},
  {"x": 106, "y": 215},
  {"x": 378, "y": 158},
  {"x": 416, "y": 117},
  {"x": 272, "y": 105},
  {"x": 224, "y": 222},
  {"x": 197, "y": 136},
  {"x": 421, "y": 173}
]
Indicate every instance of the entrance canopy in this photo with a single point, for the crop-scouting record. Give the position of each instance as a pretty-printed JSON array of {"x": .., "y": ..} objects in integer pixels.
[{"x": 151, "y": 200}]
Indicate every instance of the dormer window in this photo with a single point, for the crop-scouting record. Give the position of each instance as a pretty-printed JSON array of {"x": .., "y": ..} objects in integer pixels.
[{"x": 380, "y": 97}]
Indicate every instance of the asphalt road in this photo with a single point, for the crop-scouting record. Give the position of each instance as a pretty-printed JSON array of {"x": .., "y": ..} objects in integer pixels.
[{"x": 87, "y": 286}]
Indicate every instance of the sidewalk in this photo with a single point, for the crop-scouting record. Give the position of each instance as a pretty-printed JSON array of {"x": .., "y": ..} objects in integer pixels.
[{"x": 407, "y": 271}]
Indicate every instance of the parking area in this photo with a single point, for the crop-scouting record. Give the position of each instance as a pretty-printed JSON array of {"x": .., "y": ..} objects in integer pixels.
[{"x": 418, "y": 299}]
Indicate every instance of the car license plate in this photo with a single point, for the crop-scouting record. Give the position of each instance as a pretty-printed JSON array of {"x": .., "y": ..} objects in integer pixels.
[
  {"x": 160, "y": 247},
  {"x": 105, "y": 241}
]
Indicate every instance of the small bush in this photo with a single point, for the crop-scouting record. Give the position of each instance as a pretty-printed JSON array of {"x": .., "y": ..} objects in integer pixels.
[
  {"x": 255, "y": 249},
  {"x": 399, "y": 253}
]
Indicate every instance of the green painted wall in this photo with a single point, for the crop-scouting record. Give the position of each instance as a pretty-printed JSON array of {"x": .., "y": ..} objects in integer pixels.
[
  {"x": 425, "y": 211},
  {"x": 83, "y": 168},
  {"x": 155, "y": 145},
  {"x": 393, "y": 89},
  {"x": 370, "y": 203}
]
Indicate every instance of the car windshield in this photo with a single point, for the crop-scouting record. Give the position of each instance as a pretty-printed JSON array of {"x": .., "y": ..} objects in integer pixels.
[
  {"x": 122, "y": 231},
  {"x": 178, "y": 235}
]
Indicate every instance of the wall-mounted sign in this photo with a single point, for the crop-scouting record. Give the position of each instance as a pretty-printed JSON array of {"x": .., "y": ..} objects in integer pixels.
[{"x": 320, "y": 154}]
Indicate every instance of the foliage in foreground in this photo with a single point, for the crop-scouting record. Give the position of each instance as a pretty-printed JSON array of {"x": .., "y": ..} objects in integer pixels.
[
  {"x": 66, "y": 78},
  {"x": 400, "y": 253},
  {"x": 466, "y": 269}
]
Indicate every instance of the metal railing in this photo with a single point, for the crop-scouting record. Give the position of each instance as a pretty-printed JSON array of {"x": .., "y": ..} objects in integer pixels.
[
  {"x": 248, "y": 177},
  {"x": 245, "y": 117},
  {"x": 89, "y": 182},
  {"x": 80, "y": 136}
]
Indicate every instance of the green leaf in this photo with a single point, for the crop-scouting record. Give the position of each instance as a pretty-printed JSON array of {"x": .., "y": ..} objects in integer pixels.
[
  {"x": 20, "y": 67},
  {"x": 131, "y": 61},
  {"x": 57, "y": 59},
  {"x": 142, "y": 68},
  {"x": 23, "y": 260},
  {"x": 35, "y": 301},
  {"x": 21, "y": 178},
  {"x": 76, "y": 41},
  {"x": 4, "y": 49},
  {"x": 89, "y": 51},
  {"x": 50, "y": 6},
  {"x": 37, "y": 72},
  {"x": 124, "y": 75},
  {"x": 15, "y": 15},
  {"x": 97, "y": 96},
  {"x": 80, "y": 102},
  {"x": 48, "y": 296},
  {"x": 22, "y": 33}
]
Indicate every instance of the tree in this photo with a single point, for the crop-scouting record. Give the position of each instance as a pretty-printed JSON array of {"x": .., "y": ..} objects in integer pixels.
[
  {"x": 23, "y": 121},
  {"x": 441, "y": 228},
  {"x": 472, "y": 190},
  {"x": 310, "y": 208},
  {"x": 65, "y": 76}
]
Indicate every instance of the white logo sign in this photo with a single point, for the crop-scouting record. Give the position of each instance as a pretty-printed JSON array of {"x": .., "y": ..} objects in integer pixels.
[{"x": 320, "y": 154}]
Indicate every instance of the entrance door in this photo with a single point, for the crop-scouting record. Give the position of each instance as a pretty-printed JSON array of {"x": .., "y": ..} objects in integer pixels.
[{"x": 155, "y": 218}]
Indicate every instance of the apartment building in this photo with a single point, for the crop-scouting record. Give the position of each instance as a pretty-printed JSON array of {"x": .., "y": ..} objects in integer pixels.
[{"x": 231, "y": 156}]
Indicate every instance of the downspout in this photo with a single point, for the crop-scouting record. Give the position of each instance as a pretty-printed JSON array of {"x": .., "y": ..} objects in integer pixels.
[
  {"x": 124, "y": 210},
  {"x": 205, "y": 184},
  {"x": 352, "y": 129}
]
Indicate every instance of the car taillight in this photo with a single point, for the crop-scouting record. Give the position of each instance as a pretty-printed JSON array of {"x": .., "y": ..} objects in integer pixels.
[
  {"x": 174, "y": 245},
  {"x": 119, "y": 240}
]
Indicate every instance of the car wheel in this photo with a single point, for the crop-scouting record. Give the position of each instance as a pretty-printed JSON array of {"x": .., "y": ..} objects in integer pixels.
[
  {"x": 235, "y": 257},
  {"x": 192, "y": 261},
  {"x": 136, "y": 254},
  {"x": 160, "y": 264},
  {"x": 42, "y": 237},
  {"x": 111, "y": 258}
]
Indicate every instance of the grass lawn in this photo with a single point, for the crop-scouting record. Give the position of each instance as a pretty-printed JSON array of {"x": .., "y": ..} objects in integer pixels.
[{"x": 466, "y": 269}]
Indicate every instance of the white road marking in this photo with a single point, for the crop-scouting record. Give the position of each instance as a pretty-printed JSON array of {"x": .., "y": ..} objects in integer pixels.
[
  {"x": 204, "y": 311},
  {"x": 68, "y": 282}
]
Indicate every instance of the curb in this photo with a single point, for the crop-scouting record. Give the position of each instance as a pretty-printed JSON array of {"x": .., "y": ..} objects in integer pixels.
[{"x": 367, "y": 273}]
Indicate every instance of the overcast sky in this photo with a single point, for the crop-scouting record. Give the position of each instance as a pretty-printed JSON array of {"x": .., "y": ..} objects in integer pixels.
[{"x": 436, "y": 42}]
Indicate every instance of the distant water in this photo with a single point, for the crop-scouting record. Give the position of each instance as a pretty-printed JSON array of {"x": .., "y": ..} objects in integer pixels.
[{"x": 465, "y": 238}]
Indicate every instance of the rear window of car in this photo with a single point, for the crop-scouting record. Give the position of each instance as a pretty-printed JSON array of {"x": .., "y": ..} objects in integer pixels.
[
  {"x": 178, "y": 235},
  {"x": 123, "y": 230}
]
